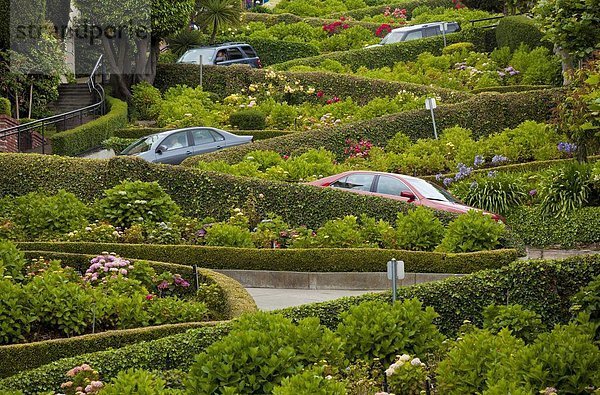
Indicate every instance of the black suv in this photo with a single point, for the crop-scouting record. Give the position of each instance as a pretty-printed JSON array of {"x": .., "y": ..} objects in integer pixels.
[{"x": 222, "y": 55}]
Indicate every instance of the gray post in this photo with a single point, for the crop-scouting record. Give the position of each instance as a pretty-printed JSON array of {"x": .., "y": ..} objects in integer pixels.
[
  {"x": 392, "y": 267},
  {"x": 444, "y": 33},
  {"x": 201, "y": 71},
  {"x": 434, "y": 127}
]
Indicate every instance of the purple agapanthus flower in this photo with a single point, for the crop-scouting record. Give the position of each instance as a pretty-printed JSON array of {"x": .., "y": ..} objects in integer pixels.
[
  {"x": 479, "y": 160},
  {"x": 567, "y": 148},
  {"x": 492, "y": 173},
  {"x": 439, "y": 176},
  {"x": 498, "y": 159},
  {"x": 447, "y": 181},
  {"x": 463, "y": 171}
]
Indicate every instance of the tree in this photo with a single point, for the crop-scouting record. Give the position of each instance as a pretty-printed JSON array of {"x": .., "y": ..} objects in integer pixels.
[
  {"x": 573, "y": 26},
  {"x": 214, "y": 14},
  {"x": 579, "y": 114},
  {"x": 131, "y": 32}
]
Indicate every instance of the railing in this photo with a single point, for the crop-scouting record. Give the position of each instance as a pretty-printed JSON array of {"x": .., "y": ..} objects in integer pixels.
[{"x": 40, "y": 125}]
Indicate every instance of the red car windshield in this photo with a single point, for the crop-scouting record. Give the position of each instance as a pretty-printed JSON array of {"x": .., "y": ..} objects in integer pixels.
[{"x": 431, "y": 192}]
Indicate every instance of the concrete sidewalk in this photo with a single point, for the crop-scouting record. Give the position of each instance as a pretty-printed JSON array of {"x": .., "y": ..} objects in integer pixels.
[{"x": 273, "y": 299}]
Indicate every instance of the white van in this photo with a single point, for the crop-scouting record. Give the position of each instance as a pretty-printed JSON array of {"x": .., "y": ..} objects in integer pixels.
[{"x": 415, "y": 32}]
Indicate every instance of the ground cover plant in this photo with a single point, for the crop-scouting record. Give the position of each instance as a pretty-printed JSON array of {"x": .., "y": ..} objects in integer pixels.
[
  {"x": 43, "y": 299},
  {"x": 461, "y": 68}
]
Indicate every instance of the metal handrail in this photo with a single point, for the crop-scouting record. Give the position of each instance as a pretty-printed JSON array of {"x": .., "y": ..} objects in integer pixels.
[{"x": 41, "y": 124}]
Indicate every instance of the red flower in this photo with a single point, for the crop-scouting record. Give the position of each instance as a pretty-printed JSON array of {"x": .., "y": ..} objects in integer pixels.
[
  {"x": 329, "y": 101},
  {"x": 320, "y": 94},
  {"x": 383, "y": 30},
  {"x": 342, "y": 18},
  {"x": 149, "y": 297},
  {"x": 346, "y": 26}
]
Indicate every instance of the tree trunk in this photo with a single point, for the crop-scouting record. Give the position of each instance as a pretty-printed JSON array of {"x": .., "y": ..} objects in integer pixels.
[
  {"x": 567, "y": 64},
  {"x": 214, "y": 32}
]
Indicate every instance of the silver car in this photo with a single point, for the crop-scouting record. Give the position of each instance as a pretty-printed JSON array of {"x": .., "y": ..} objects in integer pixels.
[
  {"x": 415, "y": 32},
  {"x": 174, "y": 146}
]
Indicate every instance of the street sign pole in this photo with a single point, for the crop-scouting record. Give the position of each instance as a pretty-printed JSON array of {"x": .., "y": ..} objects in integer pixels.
[
  {"x": 430, "y": 104},
  {"x": 395, "y": 272},
  {"x": 200, "y": 60}
]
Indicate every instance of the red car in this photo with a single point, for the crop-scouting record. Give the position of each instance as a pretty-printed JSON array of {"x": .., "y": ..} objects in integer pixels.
[{"x": 399, "y": 187}]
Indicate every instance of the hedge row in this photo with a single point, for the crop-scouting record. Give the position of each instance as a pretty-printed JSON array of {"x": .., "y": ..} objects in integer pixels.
[
  {"x": 176, "y": 351},
  {"x": 225, "y": 81},
  {"x": 543, "y": 286},
  {"x": 511, "y": 88},
  {"x": 512, "y": 31},
  {"x": 518, "y": 167},
  {"x": 91, "y": 135},
  {"x": 136, "y": 133},
  {"x": 484, "y": 114},
  {"x": 580, "y": 227},
  {"x": 389, "y": 55},
  {"x": 237, "y": 301},
  {"x": 291, "y": 259},
  {"x": 200, "y": 194},
  {"x": 273, "y": 19},
  {"x": 361, "y": 13}
]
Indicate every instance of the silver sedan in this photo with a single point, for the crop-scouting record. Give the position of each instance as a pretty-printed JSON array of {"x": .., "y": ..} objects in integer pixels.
[{"x": 174, "y": 146}]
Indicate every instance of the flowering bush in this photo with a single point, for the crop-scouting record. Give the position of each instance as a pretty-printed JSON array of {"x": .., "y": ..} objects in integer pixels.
[
  {"x": 83, "y": 380},
  {"x": 358, "y": 149},
  {"x": 335, "y": 27},
  {"x": 135, "y": 381},
  {"x": 312, "y": 381},
  {"x": 383, "y": 30},
  {"x": 407, "y": 375}
]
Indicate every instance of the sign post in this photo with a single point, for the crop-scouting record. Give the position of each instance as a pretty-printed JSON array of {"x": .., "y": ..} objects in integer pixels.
[
  {"x": 444, "y": 27},
  {"x": 200, "y": 63},
  {"x": 430, "y": 104},
  {"x": 395, "y": 272}
]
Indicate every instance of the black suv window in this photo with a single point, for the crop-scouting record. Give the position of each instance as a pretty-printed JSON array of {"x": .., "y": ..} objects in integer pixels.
[
  {"x": 234, "y": 54},
  {"x": 249, "y": 51}
]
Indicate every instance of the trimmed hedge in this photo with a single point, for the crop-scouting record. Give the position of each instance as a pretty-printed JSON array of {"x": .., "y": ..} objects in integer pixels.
[
  {"x": 5, "y": 107},
  {"x": 484, "y": 114},
  {"x": 511, "y": 88},
  {"x": 91, "y": 135},
  {"x": 360, "y": 13},
  {"x": 199, "y": 194},
  {"x": 31, "y": 355},
  {"x": 273, "y": 19},
  {"x": 512, "y": 31},
  {"x": 543, "y": 286},
  {"x": 225, "y": 81},
  {"x": 579, "y": 227},
  {"x": 293, "y": 259},
  {"x": 389, "y": 55},
  {"x": 177, "y": 351},
  {"x": 517, "y": 167},
  {"x": 278, "y": 51}
]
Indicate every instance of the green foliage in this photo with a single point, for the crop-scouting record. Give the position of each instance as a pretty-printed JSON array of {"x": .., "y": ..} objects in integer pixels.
[
  {"x": 344, "y": 232},
  {"x": 117, "y": 144},
  {"x": 259, "y": 352},
  {"x": 497, "y": 194},
  {"x": 134, "y": 382},
  {"x": 183, "y": 106},
  {"x": 418, "y": 230},
  {"x": 228, "y": 235},
  {"x": 183, "y": 40},
  {"x": 587, "y": 301},
  {"x": 458, "y": 47},
  {"x": 407, "y": 375},
  {"x": 43, "y": 216},
  {"x": 249, "y": 119},
  {"x": 215, "y": 14},
  {"x": 565, "y": 189},
  {"x": 470, "y": 359},
  {"x": 15, "y": 318},
  {"x": 12, "y": 261},
  {"x": 91, "y": 134},
  {"x": 512, "y": 31},
  {"x": 522, "y": 323},
  {"x": 378, "y": 330},
  {"x": 5, "y": 108},
  {"x": 473, "y": 231},
  {"x": 310, "y": 381},
  {"x": 145, "y": 99},
  {"x": 133, "y": 202}
]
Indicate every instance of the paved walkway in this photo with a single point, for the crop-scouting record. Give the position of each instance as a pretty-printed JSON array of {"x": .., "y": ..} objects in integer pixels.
[{"x": 273, "y": 299}]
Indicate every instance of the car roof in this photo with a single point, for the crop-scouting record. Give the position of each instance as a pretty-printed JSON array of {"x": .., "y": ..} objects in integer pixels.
[
  {"x": 418, "y": 27},
  {"x": 220, "y": 46},
  {"x": 382, "y": 173}
]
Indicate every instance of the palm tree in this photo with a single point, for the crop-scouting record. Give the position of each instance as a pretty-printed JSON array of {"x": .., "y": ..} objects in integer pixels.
[{"x": 217, "y": 13}]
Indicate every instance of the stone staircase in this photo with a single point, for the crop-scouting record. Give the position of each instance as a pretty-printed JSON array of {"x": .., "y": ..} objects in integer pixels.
[{"x": 72, "y": 97}]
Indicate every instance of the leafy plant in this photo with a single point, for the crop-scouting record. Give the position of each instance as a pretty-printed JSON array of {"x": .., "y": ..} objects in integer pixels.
[
  {"x": 407, "y": 376},
  {"x": 379, "y": 330},
  {"x": 15, "y": 319},
  {"x": 135, "y": 381},
  {"x": 497, "y": 193},
  {"x": 228, "y": 235},
  {"x": 248, "y": 119},
  {"x": 418, "y": 230},
  {"x": 183, "y": 40},
  {"x": 133, "y": 202},
  {"x": 522, "y": 323},
  {"x": 565, "y": 189},
  {"x": 473, "y": 231},
  {"x": 146, "y": 100},
  {"x": 587, "y": 301},
  {"x": 12, "y": 261},
  {"x": 310, "y": 381}
]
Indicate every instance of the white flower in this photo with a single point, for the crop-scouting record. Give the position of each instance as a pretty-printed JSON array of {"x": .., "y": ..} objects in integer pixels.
[
  {"x": 415, "y": 362},
  {"x": 390, "y": 371},
  {"x": 404, "y": 358}
]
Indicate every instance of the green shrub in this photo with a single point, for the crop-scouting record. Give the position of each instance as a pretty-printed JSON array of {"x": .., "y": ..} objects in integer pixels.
[
  {"x": 183, "y": 106},
  {"x": 496, "y": 194},
  {"x": 473, "y": 231},
  {"x": 117, "y": 144},
  {"x": 134, "y": 382},
  {"x": 464, "y": 369},
  {"x": 522, "y": 323},
  {"x": 228, "y": 235},
  {"x": 5, "y": 107},
  {"x": 310, "y": 381},
  {"x": 43, "y": 216},
  {"x": 458, "y": 47},
  {"x": 250, "y": 119},
  {"x": 15, "y": 317},
  {"x": 398, "y": 144},
  {"x": 587, "y": 300},
  {"x": 418, "y": 230},
  {"x": 12, "y": 261},
  {"x": 339, "y": 233},
  {"x": 91, "y": 135},
  {"x": 133, "y": 202},
  {"x": 145, "y": 99},
  {"x": 565, "y": 189},
  {"x": 185, "y": 39},
  {"x": 512, "y": 31},
  {"x": 259, "y": 352},
  {"x": 378, "y": 330}
]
